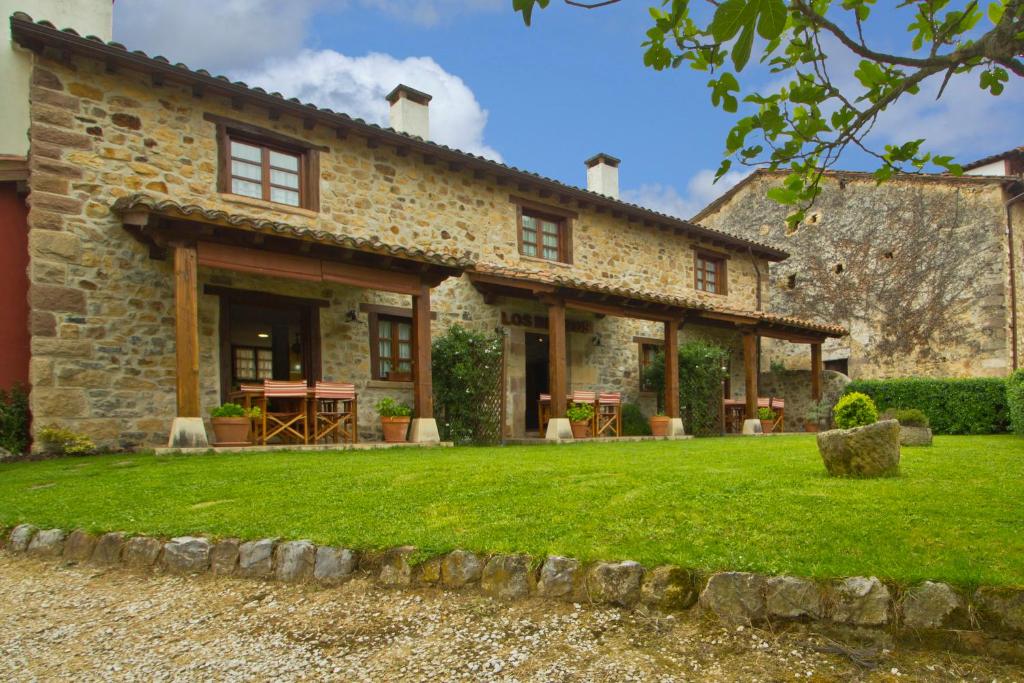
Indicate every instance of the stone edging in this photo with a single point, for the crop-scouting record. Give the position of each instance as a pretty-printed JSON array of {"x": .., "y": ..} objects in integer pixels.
[{"x": 735, "y": 597}]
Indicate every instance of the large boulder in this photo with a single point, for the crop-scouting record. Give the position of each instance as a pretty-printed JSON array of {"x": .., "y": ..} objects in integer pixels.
[
  {"x": 508, "y": 577},
  {"x": 79, "y": 545},
  {"x": 560, "y": 577},
  {"x": 256, "y": 558},
  {"x": 791, "y": 597},
  {"x": 736, "y": 597},
  {"x": 186, "y": 555},
  {"x": 142, "y": 552},
  {"x": 932, "y": 605},
  {"x": 616, "y": 582},
  {"x": 670, "y": 587},
  {"x": 21, "y": 536},
  {"x": 870, "y": 451},
  {"x": 915, "y": 436},
  {"x": 295, "y": 561},
  {"x": 224, "y": 556},
  {"x": 108, "y": 548},
  {"x": 47, "y": 543},
  {"x": 333, "y": 565},
  {"x": 460, "y": 568},
  {"x": 860, "y": 601}
]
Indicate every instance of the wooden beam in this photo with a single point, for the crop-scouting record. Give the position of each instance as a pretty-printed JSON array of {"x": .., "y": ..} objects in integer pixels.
[
  {"x": 672, "y": 368},
  {"x": 556, "y": 358},
  {"x": 186, "y": 329},
  {"x": 750, "y": 371},
  {"x": 422, "y": 379},
  {"x": 816, "y": 369}
]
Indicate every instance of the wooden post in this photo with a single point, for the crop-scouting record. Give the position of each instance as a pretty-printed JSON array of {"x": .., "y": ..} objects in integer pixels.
[
  {"x": 422, "y": 380},
  {"x": 672, "y": 368},
  {"x": 186, "y": 328},
  {"x": 750, "y": 368},
  {"x": 816, "y": 370},
  {"x": 556, "y": 357}
]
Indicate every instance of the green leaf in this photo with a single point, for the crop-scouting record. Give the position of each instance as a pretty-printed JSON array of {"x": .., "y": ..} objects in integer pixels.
[
  {"x": 783, "y": 195},
  {"x": 741, "y": 48},
  {"x": 730, "y": 17},
  {"x": 772, "y": 19},
  {"x": 995, "y": 12}
]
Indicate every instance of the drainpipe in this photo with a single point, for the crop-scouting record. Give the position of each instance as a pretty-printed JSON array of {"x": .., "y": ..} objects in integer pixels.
[{"x": 1013, "y": 280}]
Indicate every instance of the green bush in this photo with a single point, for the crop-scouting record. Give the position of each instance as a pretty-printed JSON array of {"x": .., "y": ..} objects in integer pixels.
[
  {"x": 908, "y": 417},
  {"x": 634, "y": 422},
  {"x": 765, "y": 414},
  {"x": 953, "y": 406},
  {"x": 1015, "y": 401},
  {"x": 580, "y": 412},
  {"x": 389, "y": 407},
  {"x": 467, "y": 377},
  {"x": 14, "y": 420},
  {"x": 700, "y": 385},
  {"x": 855, "y": 410},
  {"x": 234, "y": 410},
  {"x": 59, "y": 441}
]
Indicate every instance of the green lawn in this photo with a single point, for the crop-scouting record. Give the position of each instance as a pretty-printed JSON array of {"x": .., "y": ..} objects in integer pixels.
[{"x": 955, "y": 514}]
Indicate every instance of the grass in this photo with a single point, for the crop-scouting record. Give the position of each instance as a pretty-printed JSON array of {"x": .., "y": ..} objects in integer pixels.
[{"x": 955, "y": 514}]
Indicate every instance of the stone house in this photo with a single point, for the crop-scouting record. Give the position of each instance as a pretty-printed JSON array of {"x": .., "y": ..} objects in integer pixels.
[
  {"x": 186, "y": 234},
  {"x": 922, "y": 270}
]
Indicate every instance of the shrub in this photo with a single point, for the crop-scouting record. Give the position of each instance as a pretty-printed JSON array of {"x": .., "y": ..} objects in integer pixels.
[
  {"x": 908, "y": 417},
  {"x": 765, "y": 414},
  {"x": 855, "y": 410},
  {"x": 1015, "y": 401},
  {"x": 59, "y": 441},
  {"x": 700, "y": 385},
  {"x": 468, "y": 385},
  {"x": 580, "y": 412},
  {"x": 234, "y": 410},
  {"x": 953, "y": 406},
  {"x": 389, "y": 407},
  {"x": 14, "y": 420},
  {"x": 634, "y": 422}
]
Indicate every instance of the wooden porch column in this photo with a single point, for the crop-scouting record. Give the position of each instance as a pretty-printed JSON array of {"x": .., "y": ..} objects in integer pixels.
[
  {"x": 672, "y": 368},
  {"x": 422, "y": 380},
  {"x": 186, "y": 328},
  {"x": 750, "y": 368},
  {"x": 816, "y": 370},
  {"x": 187, "y": 429},
  {"x": 556, "y": 357}
]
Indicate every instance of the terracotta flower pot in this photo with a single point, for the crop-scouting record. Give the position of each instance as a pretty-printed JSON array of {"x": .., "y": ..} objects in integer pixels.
[
  {"x": 659, "y": 425},
  {"x": 395, "y": 428},
  {"x": 580, "y": 430},
  {"x": 811, "y": 427},
  {"x": 231, "y": 431},
  {"x": 766, "y": 426}
]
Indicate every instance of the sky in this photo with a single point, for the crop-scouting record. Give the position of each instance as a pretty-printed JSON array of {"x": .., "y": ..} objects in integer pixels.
[{"x": 543, "y": 98}]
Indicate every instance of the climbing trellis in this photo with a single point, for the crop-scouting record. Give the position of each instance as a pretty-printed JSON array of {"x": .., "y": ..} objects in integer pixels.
[{"x": 469, "y": 386}]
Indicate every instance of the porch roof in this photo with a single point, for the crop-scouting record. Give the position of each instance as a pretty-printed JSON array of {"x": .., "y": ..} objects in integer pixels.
[{"x": 609, "y": 299}]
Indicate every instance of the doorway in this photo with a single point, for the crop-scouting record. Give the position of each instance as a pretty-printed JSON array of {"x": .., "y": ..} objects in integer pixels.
[{"x": 537, "y": 360}]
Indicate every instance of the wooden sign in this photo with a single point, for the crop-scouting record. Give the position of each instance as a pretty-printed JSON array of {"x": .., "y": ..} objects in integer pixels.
[{"x": 540, "y": 322}]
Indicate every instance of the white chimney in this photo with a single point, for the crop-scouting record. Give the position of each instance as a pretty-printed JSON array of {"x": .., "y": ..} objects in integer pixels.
[
  {"x": 410, "y": 112},
  {"x": 603, "y": 175}
]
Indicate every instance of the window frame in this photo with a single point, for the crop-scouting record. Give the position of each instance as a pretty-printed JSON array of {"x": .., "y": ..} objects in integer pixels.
[
  {"x": 644, "y": 343},
  {"x": 266, "y": 167},
  {"x": 268, "y": 140},
  {"x": 375, "y": 318},
  {"x": 721, "y": 272},
  {"x": 256, "y": 351},
  {"x": 561, "y": 217}
]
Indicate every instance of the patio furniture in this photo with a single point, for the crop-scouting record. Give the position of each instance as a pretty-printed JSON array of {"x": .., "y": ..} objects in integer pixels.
[
  {"x": 249, "y": 394},
  {"x": 543, "y": 412},
  {"x": 609, "y": 414},
  {"x": 544, "y": 408},
  {"x": 290, "y": 399},
  {"x": 334, "y": 412},
  {"x": 735, "y": 413},
  {"x": 779, "y": 406}
]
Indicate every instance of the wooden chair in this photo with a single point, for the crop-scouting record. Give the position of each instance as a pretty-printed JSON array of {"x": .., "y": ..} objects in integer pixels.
[
  {"x": 291, "y": 396},
  {"x": 609, "y": 414},
  {"x": 334, "y": 412},
  {"x": 251, "y": 394},
  {"x": 543, "y": 413},
  {"x": 779, "y": 406}
]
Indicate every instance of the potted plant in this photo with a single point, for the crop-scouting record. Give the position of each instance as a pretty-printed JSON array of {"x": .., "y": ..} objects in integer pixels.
[
  {"x": 232, "y": 423},
  {"x": 767, "y": 417},
  {"x": 816, "y": 414},
  {"x": 394, "y": 419},
  {"x": 580, "y": 415},
  {"x": 659, "y": 424}
]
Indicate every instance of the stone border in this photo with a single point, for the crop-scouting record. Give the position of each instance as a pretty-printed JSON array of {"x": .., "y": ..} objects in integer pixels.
[{"x": 989, "y": 618}]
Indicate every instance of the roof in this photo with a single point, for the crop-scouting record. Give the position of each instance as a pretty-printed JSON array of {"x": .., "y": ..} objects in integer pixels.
[
  {"x": 1015, "y": 152},
  {"x": 38, "y": 35},
  {"x": 853, "y": 175},
  {"x": 173, "y": 209}
]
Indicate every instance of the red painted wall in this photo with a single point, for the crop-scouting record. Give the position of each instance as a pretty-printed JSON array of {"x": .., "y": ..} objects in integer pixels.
[{"x": 14, "y": 337}]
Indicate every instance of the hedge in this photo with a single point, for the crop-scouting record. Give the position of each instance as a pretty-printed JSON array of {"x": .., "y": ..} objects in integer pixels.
[
  {"x": 1015, "y": 401},
  {"x": 953, "y": 406}
]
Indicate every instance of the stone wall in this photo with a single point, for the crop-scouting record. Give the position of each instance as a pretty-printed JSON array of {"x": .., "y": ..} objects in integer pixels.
[
  {"x": 915, "y": 269},
  {"x": 102, "y": 310},
  {"x": 794, "y": 387}
]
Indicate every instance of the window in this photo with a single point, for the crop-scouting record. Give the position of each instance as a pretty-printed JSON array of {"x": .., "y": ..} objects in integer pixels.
[
  {"x": 542, "y": 237},
  {"x": 838, "y": 365},
  {"x": 391, "y": 347},
  {"x": 710, "y": 273},
  {"x": 266, "y": 165},
  {"x": 648, "y": 353},
  {"x": 252, "y": 364},
  {"x": 266, "y": 173}
]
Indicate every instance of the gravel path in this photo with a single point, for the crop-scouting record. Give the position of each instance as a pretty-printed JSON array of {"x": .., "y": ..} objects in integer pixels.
[{"x": 63, "y": 622}]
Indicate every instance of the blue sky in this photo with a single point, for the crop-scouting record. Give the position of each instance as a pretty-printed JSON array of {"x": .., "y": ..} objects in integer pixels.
[{"x": 542, "y": 98}]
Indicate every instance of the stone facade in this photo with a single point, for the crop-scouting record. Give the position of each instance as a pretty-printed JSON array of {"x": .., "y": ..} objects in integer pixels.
[
  {"x": 917, "y": 269},
  {"x": 102, "y": 317}
]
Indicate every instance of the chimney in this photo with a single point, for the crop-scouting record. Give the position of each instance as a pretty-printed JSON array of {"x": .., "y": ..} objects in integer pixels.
[
  {"x": 603, "y": 175},
  {"x": 410, "y": 111}
]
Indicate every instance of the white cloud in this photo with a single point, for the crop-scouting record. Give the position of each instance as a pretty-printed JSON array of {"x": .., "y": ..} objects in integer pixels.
[
  {"x": 220, "y": 35},
  {"x": 701, "y": 190},
  {"x": 357, "y": 86}
]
